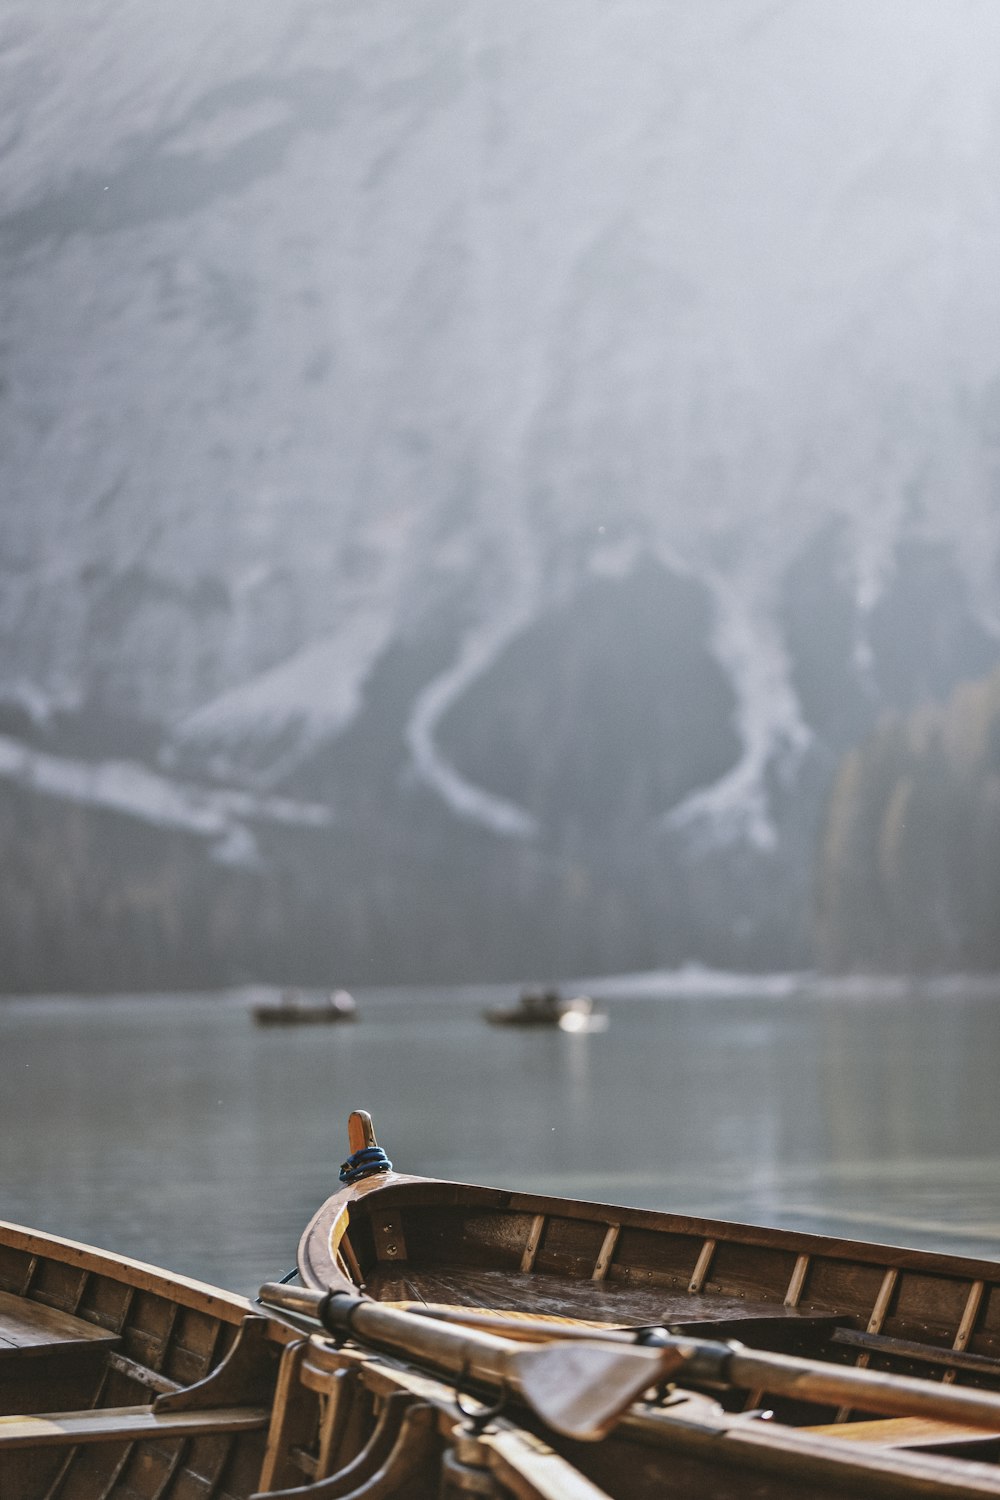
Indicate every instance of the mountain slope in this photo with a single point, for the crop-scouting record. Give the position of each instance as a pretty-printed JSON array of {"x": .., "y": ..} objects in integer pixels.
[{"x": 467, "y": 377}]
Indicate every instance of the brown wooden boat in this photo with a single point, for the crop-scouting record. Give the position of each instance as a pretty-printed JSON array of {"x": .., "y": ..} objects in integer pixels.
[
  {"x": 778, "y": 1364},
  {"x": 102, "y": 1365},
  {"x": 294, "y": 1009},
  {"x": 120, "y": 1381},
  {"x": 549, "y": 1008}
]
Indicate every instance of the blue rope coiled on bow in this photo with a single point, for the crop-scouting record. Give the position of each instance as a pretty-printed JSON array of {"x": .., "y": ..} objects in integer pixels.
[{"x": 364, "y": 1163}]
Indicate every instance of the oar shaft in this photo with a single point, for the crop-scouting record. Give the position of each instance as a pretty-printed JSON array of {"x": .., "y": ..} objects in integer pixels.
[
  {"x": 460, "y": 1351},
  {"x": 523, "y": 1329},
  {"x": 475, "y": 1356},
  {"x": 779, "y": 1374},
  {"x": 300, "y": 1300},
  {"x": 868, "y": 1390}
]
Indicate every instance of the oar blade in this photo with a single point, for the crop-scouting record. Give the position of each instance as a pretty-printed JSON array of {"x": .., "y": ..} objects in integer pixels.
[{"x": 581, "y": 1389}]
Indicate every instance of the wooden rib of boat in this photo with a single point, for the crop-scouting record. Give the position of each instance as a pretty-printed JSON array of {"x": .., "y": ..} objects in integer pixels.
[
  {"x": 299, "y": 1010},
  {"x": 878, "y": 1368},
  {"x": 120, "y": 1381}
]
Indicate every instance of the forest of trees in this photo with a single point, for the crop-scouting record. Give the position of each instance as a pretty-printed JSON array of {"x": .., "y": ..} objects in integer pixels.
[
  {"x": 909, "y": 864},
  {"x": 92, "y": 900},
  {"x": 906, "y": 875}
]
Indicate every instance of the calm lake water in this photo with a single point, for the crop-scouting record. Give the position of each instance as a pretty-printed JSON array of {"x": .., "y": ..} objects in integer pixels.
[{"x": 172, "y": 1129}]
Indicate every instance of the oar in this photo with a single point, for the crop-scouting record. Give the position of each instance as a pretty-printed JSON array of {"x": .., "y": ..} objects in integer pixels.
[
  {"x": 731, "y": 1363},
  {"x": 519, "y": 1326},
  {"x": 580, "y": 1387}
]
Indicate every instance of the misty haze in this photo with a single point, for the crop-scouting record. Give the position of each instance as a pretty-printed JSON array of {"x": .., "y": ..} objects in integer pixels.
[{"x": 497, "y": 491}]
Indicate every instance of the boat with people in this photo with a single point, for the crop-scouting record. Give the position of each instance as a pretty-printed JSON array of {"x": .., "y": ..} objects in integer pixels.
[
  {"x": 297, "y": 1009},
  {"x": 547, "y": 1007}
]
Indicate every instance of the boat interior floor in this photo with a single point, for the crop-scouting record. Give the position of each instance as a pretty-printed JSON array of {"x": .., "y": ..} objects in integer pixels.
[{"x": 768, "y": 1325}]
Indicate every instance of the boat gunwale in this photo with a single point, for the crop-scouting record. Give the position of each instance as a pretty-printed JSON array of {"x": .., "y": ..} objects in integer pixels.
[
  {"x": 186, "y": 1291},
  {"x": 331, "y": 1221}
]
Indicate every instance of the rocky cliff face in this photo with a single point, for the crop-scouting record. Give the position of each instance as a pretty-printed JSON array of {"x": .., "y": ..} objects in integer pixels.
[{"x": 479, "y": 469}]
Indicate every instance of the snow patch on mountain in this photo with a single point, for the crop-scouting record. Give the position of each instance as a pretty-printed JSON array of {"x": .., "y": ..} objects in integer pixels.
[
  {"x": 479, "y": 651},
  {"x": 288, "y": 711},
  {"x": 517, "y": 603},
  {"x": 768, "y": 720},
  {"x": 37, "y": 705},
  {"x": 219, "y": 815}
]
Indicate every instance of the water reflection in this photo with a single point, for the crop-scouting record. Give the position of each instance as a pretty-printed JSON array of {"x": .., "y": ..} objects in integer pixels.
[{"x": 176, "y": 1131}]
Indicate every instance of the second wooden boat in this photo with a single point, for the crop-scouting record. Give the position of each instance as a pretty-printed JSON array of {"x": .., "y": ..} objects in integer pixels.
[
  {"x": 294, "y": 1009},
  {"x": 836, "y": 1365},
  {"x": 547, "y": 1008}
]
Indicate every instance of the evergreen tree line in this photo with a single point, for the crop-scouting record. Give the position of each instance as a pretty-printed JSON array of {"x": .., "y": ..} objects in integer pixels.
[
  {"x": 94, "y": 901},
  {"x": 909, "y": 864},
  {"x": 907, "y": 880}
]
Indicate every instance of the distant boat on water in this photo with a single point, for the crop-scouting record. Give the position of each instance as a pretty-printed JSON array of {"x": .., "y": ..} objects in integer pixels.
[
  {"x": 547, "y": 1007},
  {"x": 298, "y": 1009}
]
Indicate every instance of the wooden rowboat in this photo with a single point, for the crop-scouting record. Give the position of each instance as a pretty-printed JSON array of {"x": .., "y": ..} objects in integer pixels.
[
  {"x": 879, "y": 1368},
  {"x": 121, "y": 1381},
  {"x": 104, "y": 1365},
  {"x": 299, "y": 1010},
  {"x": 536, "y": 1008}
]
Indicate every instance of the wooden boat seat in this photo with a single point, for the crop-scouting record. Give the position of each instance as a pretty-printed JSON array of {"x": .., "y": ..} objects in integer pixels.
[
  {"x": 30, "y": 1329},
  {"x": 911, "y": 1432},
  {"x": 123, "y": 1423}
]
